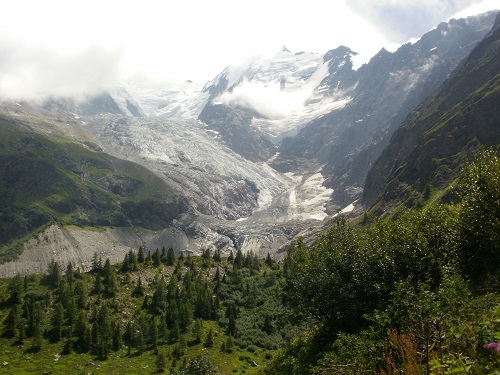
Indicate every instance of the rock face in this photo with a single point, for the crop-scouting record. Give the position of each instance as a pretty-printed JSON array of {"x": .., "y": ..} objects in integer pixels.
[
  {"x": 435, "y": 140},
  {"x": 347, "y": 141},
  {"x": 233, "y": 126}
]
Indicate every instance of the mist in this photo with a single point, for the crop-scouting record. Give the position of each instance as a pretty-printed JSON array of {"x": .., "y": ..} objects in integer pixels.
[
  {"x": 402, "y": 20},
  {"x": 33, "y": 72}
]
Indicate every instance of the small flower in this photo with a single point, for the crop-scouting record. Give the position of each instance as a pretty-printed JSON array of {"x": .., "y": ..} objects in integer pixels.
[
  {"x": 410, "y": 277},
  {"x": 436, "y": 321},
  {"x": 492, "y": 346}
]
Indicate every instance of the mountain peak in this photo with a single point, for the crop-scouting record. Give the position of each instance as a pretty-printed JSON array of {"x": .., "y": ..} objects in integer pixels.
[{"x": 284, "y": 49}]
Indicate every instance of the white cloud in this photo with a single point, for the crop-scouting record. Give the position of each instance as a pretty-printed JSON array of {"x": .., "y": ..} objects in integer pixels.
[
  {"x": 401, "y": 20},
  {"x": 32, "y": 72},
  {"x": 267, "y": 99},
  {"x": 60, "y": 46}
]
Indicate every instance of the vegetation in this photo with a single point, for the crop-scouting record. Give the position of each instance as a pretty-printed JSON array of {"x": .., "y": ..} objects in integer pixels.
[
  {"x": 158, "y": 313},
  {"x": 45, "y": 180},
  {"x": 415, "y": 295}
]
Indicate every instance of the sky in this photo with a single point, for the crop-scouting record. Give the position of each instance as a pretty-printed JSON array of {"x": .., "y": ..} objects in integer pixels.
[{"x": 60, "y": 47}]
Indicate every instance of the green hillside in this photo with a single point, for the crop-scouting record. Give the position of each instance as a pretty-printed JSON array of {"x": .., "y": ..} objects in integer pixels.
[
  {"x": 152, "y": 313},
  {"x": 432, "y": 145},
  {"x": 46, "y": 179}
]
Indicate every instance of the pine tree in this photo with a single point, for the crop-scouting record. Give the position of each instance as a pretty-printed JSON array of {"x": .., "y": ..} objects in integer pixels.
[
  {"x": 175, "y": 333},
  {"x": 198, "y": 331},
  {"x": 156, "y": 258},
  {"x": 70, "y": 274},
  {"x": 11, "y": 324},
  {"x": 80, "y": 331},
  {"x": 269, "y": 260},
  {"x": 105, "y": 332},
  {"x": 209, "y": 341},
  {"x": 159, "y": 300},
  {"x": 125, "y": 264},
  {"x": 238, "y": 260},
  {"x": 140, "y": 255},
  {"x": 128, "y": 337},
  {"x": 16, "y": 289},
  {"x": 132, "y": 260},
  {"x": 96, "y": 263},
  {"x": 153, "y": 335},
  {"x": 162, "y": 329},
  {"x": 139, "y": 289},
  {"x": 117, "y": 336},
  {"x": 38, "y": 326},
  {"x": 161, "y": 363},
  {"x": 231, "y": 314},
  {"x": 170, "y": 256},
  {"x": 143, "y": 334},
  {"x": 109, "y": 282},
  {"x": 57, "y": 322},
  {"x": 81, "y": 294},
  {"x": 53, "y": 273},
  {"x": 229, "y": 344},
  {"x": 185, "y": 316}
]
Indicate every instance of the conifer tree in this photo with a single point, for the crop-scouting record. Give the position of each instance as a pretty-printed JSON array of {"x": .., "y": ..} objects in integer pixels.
[
  {"x": 140, "y": 255},
  {"x": 156, "y": 258},
  {"x": 159, "y": 300},
  {"x": 162, "y": 329},
  {"x": 161, "y": 363},
  {"x": 81, "y": 294},
  {"x": 170, "y": 256},
  {"x": 238, "y": 260},
  {"x": 38, "y": 326},
  {"x": 175, "y": 333},
  {"x": 80, "y": 331},
  {"x": 153, "y": 335},
  {"x": 105, "y": 332},
  {"x": 198, "y": 331},
  {"x": 12, "y": 322},
  {"x": 125, "y": 264},
  {"x": 139, "y": 289},
  {"x": 96, "y": 263},
  {"x": 209, "y": 341},
  {"x": 132, "y": 260},
  {"x": 57, "y": 322},
  {"x": 117, "y": 336},
  {"x": 53, "y": 273},
  {"x": 70, "y": 274},
  {"x": 109, "y": 281},
  {"x": 16, "y": 289},
  {"x": 128, "y": 337}
]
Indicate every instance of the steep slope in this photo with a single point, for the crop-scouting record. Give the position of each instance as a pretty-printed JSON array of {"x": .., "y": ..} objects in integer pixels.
[
  {"x": 258, "y": 104},
  {"x": 348, "y": 140},
  {"x": 430, "y": 147},
  {"x": 51, "y": 172}
]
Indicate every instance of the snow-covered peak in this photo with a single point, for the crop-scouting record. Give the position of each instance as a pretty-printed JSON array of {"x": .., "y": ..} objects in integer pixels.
[{"x": 179, "y": 100}]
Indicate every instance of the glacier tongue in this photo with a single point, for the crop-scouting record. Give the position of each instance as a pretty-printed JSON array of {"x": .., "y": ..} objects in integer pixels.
[{"x": 221, "y": 186}]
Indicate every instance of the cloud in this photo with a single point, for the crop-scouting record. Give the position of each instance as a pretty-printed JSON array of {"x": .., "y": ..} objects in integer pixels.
[
  {"x": 402, "y": 20},
  {"x": 267, "y": 99},
  {"x": 28, "y": 71}
]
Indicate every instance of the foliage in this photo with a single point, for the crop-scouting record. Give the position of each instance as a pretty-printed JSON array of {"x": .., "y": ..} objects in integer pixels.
[
  {"x": 402, "y": 296},
  {"x": 123, "y": 313}
]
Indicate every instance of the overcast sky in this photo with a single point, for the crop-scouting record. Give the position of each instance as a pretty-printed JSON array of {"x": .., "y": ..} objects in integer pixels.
[{"x": 65, "y": 47}]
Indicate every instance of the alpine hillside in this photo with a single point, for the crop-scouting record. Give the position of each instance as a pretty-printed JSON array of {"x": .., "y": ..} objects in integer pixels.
[{"x": 265, "y": 152}]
